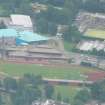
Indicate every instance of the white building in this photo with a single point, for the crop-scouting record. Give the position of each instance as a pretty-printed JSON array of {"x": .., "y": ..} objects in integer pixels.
[{"x": 20, "y": 22}]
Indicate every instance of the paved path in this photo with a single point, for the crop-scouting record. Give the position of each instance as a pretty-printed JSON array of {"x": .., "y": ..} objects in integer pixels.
[{"x": 63, "y": 81}]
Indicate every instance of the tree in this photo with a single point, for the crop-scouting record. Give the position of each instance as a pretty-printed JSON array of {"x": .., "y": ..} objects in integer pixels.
[
  {"x": 1, "y": 84},
  {"x": 16, "y": 6},
  {"x": 72, "y": 34},
  {"x": 83, "y": 95},
  {"x": 31, "y": 94},
  {"x": 52, "y": 29},
  {"x": 32, "y": 79},
  {"x": 49, "y": 90},
  {"x": 78, "y": 102},
  {"x": 1, "y": 101},
  {"x": 27, "y": 90},
  {"x": 25, "y": 7},
  {"x": 98, "y": 91},
  {"x": 17, "y": 99},
  {"x": 56, "y": 2},
  {"x": 56, "y": 16},
  {"x": 71, "y": 8},
  {"x": 59, "y": 97},
  {"x": 42, "y": 26},
  {"x": 67, "y": 100},
  {"x": 2, "y": 25},
  {"x": 10, "y": 83},
  {"x": 94, "y": 6}
]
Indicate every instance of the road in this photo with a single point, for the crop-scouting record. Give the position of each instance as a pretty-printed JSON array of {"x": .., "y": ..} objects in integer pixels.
[{"x": 77, "y": 58}]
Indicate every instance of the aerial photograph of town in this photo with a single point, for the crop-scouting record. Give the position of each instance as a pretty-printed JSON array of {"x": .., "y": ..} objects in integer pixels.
[{"x": 52, "y": 52}]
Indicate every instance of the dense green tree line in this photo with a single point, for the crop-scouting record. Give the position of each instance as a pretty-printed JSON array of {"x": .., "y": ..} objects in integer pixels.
[
  {"x": 25, "y": 90},
  {"x": 94, "y": 6},
  {"x": 96, "y": 92},
  {"x": 30, "y": 88},
  {"x": 15, "y": 6}
]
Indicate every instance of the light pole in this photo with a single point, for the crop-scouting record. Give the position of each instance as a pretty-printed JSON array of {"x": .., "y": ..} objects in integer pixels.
[{"x": 3, "y": 49}]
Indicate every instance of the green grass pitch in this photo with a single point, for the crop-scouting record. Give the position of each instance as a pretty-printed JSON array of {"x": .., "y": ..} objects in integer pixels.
[
  {"x": 95, "y": 33},
  {"x": 47, "y": 72}
]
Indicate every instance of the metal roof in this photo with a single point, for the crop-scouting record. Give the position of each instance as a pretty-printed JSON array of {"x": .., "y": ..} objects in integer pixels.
[
  {"x": 8, "y": 33},
  {"x": 22, "y": 20},
  {"x": 31, "y": 37},
  {"x": 24, "y": 36}
]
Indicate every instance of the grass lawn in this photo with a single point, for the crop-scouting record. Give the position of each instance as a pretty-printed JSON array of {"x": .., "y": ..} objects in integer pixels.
[
  {"x": 68, "y": 46},
  {"x": 3, "y": 11},
  {"x": 66, "y": 92},
  {"x": 48, "y": 72}
]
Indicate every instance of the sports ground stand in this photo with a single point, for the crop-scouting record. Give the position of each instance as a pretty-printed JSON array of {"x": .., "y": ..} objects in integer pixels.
[
  {"x": 90, "y": 45},
  {"x": 92, "y": 26},
  {"x": 87, "y": 20},
  {"x": 29, "y": 47},
  {"x": 36, "y": 54}
]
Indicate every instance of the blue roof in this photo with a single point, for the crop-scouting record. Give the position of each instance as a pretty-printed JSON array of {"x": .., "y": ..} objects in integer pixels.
[
  {"x": 31, "y": 37},
  {"x": 8, "y": 33},
  {"x": 25, "y": 36}
]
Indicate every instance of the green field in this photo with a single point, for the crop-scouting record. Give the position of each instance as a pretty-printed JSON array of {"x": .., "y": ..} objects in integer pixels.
[
  {"x": 95, "y": 33},
  {"x": 66, "y": 92},
  {"x": 48, "y": 72},
  {"x": 68, "y": 46}
]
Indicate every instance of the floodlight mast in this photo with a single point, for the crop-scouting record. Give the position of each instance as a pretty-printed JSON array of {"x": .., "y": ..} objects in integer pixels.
[{"x": 3, "y": 49}]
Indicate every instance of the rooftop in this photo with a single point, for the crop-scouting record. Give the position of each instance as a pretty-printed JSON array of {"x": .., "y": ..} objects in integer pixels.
[
  {"x": 30, "y": 36},
  {"x": 25, "y": 36},
  {"x": 22, "y": 20},
  {"x": 8, "y": 33}
]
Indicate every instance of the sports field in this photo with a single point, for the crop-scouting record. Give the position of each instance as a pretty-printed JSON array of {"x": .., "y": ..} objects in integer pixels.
[
  {"x": 95, "y": 33},
  {"x": 46, "y": 71}
]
